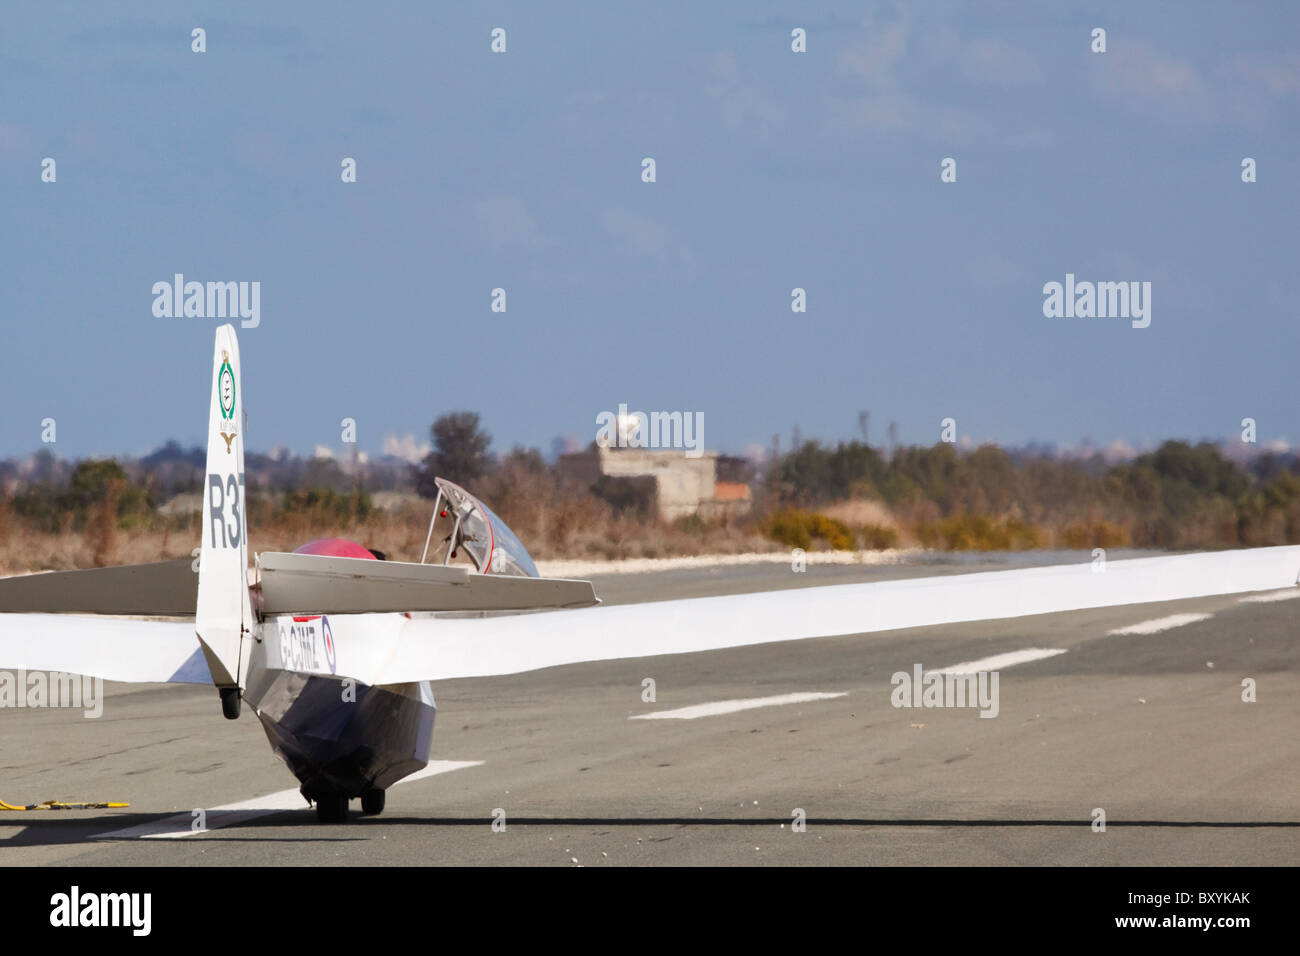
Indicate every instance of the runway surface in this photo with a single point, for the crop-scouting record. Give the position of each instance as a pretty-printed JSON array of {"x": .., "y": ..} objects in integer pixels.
[{"x": 1147, "y": 725}]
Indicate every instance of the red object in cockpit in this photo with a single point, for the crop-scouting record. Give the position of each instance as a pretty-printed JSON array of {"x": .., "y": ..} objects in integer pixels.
[{"x": 336, "y": 548}]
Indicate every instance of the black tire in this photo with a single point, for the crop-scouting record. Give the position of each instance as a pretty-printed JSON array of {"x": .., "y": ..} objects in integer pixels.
[
  {"x": 332, "y": 808},
  {"x": 230, "y": 701},
  {"x": 372, "y": 802}
]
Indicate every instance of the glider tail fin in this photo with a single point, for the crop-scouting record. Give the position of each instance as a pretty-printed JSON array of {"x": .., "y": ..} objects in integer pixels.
[{"x": 223, "y": 616}]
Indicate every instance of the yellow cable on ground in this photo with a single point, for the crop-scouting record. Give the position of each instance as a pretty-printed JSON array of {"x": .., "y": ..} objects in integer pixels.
[{"x": 59, "y": 805}]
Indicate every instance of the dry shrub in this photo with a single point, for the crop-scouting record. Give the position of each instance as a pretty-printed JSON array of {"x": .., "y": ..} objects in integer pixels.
[
  {"x": 859, "y": 512},
  {"x": 1093, "y": 534},
  {"x": 975, "y": 532},
  {"x": 799, "y": 529},
  {"x": 876, "y": 537},
  {"x": 103, "y": 525}
]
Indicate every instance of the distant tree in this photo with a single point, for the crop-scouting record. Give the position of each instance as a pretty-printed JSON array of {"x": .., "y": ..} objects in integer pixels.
[
  {"x": 41, "y": 504},
  {"x": 813, "y": 474},
  {"x": 1201, "y": 469},
  {"x": 460, "y": 452},
  {"x": 97, "y": 490},
  {"x": 171, "y": 469},
  {"x": 93, "y": 482},
  {"x": 323, "y": 473},
  {"x": 327, "y": 504},
  {"x": 45, "y": 467},
  {"x": 90, "y": 480},
  {"x": 519, "y": 488},
  {"x": 524, "y": 461},
  {"x": 173, "y": 452}
]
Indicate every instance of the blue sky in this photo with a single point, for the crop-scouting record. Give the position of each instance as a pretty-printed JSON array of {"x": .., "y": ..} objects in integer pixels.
[{"x": 774, "y": 170}]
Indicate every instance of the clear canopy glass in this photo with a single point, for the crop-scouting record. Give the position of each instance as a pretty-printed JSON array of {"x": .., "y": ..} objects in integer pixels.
[{"x": 488, "y": 540}]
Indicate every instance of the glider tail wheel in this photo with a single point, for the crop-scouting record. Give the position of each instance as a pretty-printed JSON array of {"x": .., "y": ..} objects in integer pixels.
[{"x": 230, "y": 701}]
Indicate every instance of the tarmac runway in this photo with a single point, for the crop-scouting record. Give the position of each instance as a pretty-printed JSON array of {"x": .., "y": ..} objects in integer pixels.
[{"x": 1149, "y": 727}]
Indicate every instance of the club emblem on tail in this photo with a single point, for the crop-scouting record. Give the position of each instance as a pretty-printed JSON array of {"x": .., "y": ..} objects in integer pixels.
[
  {"x": 226, "y": 384},
  {"x": 226, "y": 400}
]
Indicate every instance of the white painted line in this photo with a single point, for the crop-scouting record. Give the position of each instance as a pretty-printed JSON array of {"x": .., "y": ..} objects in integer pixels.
[
  {"x": 1160, "y": 624},
  {"x": 1000, "y": 661},
  {"x": 245, "y": 810},
  {"x": 215, "y": 818},
  {"x": 436, "y": 767},
  {"x": 1270, "y": 596},
  {"x": 732, "y": 706}
]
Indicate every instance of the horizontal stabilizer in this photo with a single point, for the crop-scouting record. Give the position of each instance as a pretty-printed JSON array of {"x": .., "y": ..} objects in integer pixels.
[
  {"x": 164, "y": 589},
  {"x": 324, "y": 584}
]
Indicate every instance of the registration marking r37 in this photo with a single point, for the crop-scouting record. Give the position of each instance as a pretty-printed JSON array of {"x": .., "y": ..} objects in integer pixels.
[{"x": 225, "y": 510}]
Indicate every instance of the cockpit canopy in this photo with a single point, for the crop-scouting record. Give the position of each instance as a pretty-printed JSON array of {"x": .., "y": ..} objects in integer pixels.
[{"x": 476, "y": 530}]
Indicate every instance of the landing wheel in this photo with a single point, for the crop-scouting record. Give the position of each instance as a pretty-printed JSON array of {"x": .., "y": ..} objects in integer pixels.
[
  {"x": 230, "y": 702},
  {"x": 332, "y": 808},
  {"x": 372, "y": 802}
]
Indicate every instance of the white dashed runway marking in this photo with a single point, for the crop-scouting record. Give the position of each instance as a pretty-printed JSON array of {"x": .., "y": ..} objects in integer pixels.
[
  {"x": 1000, "y": 661},
  {"x": 181, "y": 825},
  {"x": 733, "y": 706},
  {"x": 996, "y": 662},
  {"x": 1159, "y": 624}
]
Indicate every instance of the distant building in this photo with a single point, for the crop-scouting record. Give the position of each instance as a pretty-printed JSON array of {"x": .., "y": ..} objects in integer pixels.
[{"x": 678, "y": 486}]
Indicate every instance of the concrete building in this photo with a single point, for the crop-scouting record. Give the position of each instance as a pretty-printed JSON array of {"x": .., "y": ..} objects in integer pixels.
[{"x": 681, "y": 486}]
